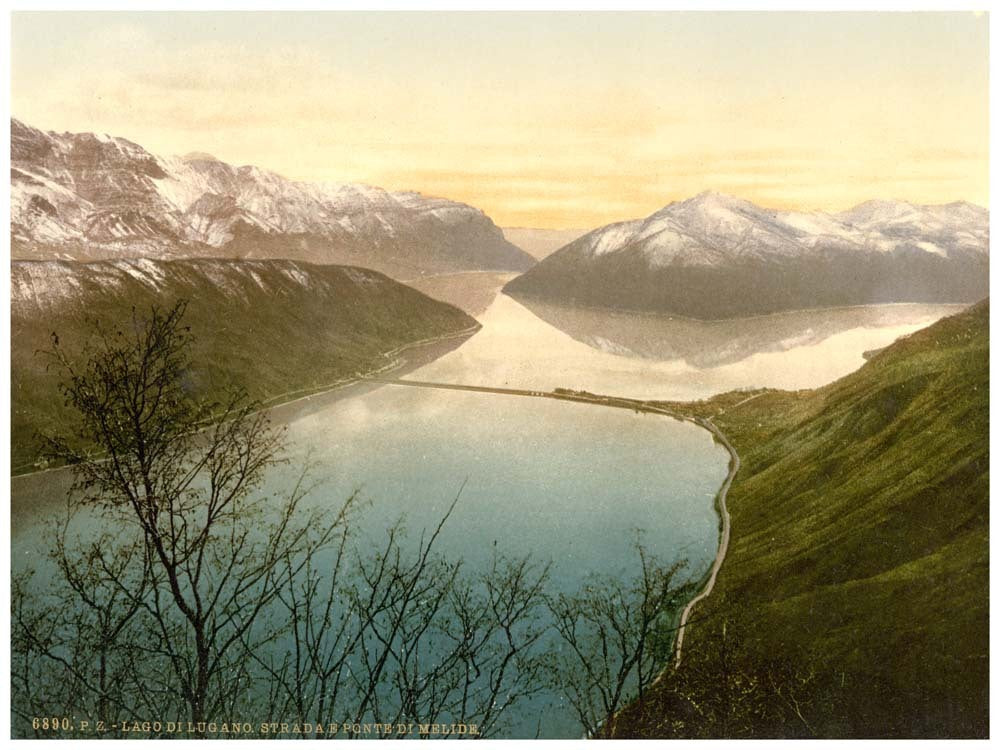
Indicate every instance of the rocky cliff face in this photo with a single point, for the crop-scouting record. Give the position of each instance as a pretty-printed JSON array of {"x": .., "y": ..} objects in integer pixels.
[
  {"x": 715, "y": 256},
  {"x": 85, "y": 196}
]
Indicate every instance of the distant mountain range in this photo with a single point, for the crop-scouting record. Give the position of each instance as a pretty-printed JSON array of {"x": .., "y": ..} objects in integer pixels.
[
  {"x": 84, "y": 196},
  {"x": 715, "y": 256}
]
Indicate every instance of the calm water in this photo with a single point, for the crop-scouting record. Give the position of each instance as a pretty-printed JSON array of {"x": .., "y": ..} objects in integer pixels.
[
  {"x": 568, "y": 484},
  {"x": 648, "y": 356},
  {"x": 564, "y": 482}
]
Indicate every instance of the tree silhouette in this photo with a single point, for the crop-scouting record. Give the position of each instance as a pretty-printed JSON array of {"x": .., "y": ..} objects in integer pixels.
[
  {"x": 199, "y": 595},
  {"x": 610, "y": 635}
]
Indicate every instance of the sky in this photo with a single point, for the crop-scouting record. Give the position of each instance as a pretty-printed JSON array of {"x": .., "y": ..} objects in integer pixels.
[{"x": 553, "y": 120}]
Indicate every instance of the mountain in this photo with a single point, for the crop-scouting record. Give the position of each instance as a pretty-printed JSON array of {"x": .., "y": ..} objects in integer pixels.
[
  {"x": 85, "y": 196},
  {"x": 278, "y": 328},
  {"x": 540, "y": 243},
  {"x": 715, "y": 256},
  {"x": 854, "y": 597}
]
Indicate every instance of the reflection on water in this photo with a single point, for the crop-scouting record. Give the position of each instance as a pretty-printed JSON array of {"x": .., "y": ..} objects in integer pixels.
[
  {"x": 561, "y": 481},
  {"x": 473, "y": 292},
  {"x": 709, "y": 344},
  {"x": 647, "y": 356}
]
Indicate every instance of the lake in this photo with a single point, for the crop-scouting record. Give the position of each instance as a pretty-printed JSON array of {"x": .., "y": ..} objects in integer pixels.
[
  {"x": 564, "y": 482},
  {"x": 527, "y": 344}
]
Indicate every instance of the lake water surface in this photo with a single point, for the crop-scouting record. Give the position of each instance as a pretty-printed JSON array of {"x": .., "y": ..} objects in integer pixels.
[
  {"x": 564, "y": 482},
  {"x": 526, "y": 344}
]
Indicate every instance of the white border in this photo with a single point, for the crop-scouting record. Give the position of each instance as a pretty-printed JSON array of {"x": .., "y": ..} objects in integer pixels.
[{"x": 446, "y": 5}]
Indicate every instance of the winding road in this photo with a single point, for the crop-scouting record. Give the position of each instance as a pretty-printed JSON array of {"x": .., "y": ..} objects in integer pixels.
[{"x": 734, "y": 466}]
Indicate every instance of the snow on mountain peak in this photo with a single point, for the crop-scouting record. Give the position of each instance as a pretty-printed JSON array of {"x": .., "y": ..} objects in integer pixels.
[
  {"x": 878, "y": 210},
  {"x": 715, "y": 256},
  {"x": 712, "y": 209},
  {"x": 99, "y": 196},
  {"x": 714, "y": 228}
]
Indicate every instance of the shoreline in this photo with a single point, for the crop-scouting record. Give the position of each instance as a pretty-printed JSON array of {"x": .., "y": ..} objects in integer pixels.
[
  {"x": 338, "y": 387},
  {"x": 283, "y": 400},
  {"x": 725, "y": 523},
  {"x": 371, "y": 380},
  {"x": 725, "y": 533}
]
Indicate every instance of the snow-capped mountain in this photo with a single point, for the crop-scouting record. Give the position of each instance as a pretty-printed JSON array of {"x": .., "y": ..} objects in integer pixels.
[
  {"x": 87, "y": 196},
  {"x": 716, "y": 256}
]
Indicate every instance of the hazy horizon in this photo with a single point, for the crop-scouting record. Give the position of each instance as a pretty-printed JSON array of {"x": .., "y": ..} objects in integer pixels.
[{"x": 543, "y": 120}]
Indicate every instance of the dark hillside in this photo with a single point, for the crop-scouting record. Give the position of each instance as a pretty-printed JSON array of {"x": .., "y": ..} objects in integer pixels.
[{"x": 277, "y": 328}]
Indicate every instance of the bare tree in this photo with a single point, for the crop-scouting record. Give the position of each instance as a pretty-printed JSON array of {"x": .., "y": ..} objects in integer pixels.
[
  {"x": 186, "y": 474},
  {"x": 609, "y": 651},
  {"x": 71, "y": 643},
  {"x": 200, "y": 594},
  {"x": 454, "y": 648},
  {"x": 405, "y": 639}
]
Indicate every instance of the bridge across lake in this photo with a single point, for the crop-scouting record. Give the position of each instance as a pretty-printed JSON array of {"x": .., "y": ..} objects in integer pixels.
[{"x": 559, "y": 394}]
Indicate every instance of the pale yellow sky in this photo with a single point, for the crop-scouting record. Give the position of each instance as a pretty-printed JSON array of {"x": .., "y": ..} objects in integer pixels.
[{"x": 547, "y": 120}]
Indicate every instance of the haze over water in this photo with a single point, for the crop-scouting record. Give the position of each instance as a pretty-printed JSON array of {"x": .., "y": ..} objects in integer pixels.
[{"x": 524, "y": 344}]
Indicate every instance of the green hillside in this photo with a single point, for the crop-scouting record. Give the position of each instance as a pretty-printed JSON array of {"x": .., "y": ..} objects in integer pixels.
[
  {"x": 277, "y": 328},
  {"x": 854, "y": 599}
]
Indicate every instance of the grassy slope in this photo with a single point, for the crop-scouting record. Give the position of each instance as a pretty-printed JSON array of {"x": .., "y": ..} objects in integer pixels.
[
  {"x": 272, "y": 339},
  {"x": 859, "y": 550}
]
